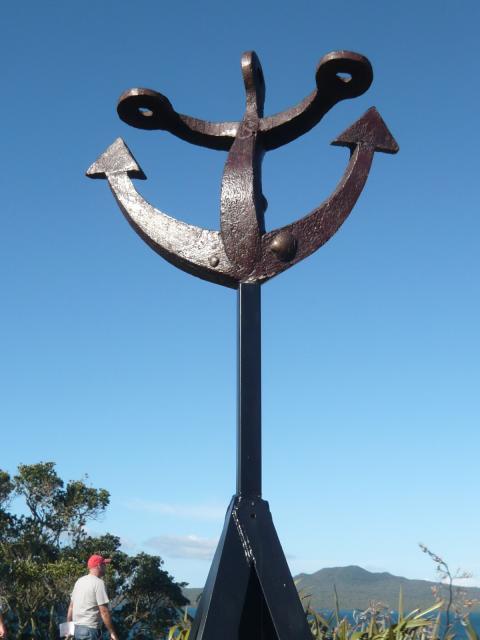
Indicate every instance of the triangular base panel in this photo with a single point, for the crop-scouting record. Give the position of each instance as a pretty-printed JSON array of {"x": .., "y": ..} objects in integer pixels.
[{"x": 249, "y": 594}]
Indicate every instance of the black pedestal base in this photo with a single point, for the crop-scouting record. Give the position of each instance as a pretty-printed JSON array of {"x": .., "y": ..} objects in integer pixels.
[{"x": 249, "y": 594}]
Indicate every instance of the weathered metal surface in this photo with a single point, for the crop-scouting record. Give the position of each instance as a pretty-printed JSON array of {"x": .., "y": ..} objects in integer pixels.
[
  {"x": 241, "y": 251},
  {"x": 300, "y": 239},
  {"x": 195, "y": 250}
]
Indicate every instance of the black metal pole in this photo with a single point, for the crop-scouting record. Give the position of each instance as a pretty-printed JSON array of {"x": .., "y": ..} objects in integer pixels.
[{"x": 249, "y": 402}]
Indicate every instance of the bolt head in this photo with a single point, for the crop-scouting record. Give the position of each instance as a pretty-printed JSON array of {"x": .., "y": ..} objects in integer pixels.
[{"x": 284, "y": 246}]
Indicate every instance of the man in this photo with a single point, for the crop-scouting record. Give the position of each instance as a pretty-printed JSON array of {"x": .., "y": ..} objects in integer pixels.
[
  {"x": 3, "y": 629},
  {"x": 89, "y": 602}
]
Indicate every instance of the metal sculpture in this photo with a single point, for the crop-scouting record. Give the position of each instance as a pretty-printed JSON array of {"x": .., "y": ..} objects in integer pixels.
[{"x": 249, "y": 592}]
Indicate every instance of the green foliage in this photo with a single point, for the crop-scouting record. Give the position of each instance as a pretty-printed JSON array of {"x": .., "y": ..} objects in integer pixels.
[
  {"x": 56, "y": 509},
  {"x": 43, "y": 552},
  {"x": 6, "y": 488},
  {"x": 374, "y": 623},
  {"x": 470, "y": 631},
  {"x": 181, "y": 630},
  {"x": 148, "y": 601}
]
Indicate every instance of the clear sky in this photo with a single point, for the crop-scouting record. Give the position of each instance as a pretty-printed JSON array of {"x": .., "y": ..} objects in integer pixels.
[{"x": 117, "y": 365}]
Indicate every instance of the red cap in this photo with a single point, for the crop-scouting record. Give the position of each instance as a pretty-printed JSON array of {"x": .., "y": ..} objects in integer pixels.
[{"x": 96, "y": 561}]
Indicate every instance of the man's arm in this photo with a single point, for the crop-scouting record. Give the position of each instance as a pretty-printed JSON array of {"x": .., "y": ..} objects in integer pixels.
[
  {"x": 107, "y": 620},
  {"x": 3, "y": 630},
  {"x": 70, "y": 612}
]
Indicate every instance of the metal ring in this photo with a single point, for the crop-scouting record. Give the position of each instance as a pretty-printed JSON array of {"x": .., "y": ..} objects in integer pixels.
[
  {"x": 145, "y": 109},
  {"x": 344, "y": 74}
]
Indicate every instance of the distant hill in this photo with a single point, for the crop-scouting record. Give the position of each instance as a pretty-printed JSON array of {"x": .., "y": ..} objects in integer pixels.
[
  {"x": 357, "y": 587},
  {"x": 192, "y": 593}
]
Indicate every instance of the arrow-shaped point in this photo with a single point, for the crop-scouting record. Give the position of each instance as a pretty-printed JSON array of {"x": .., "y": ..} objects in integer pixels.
[
  {"x": 116, "y": 159},
  {"x": 369, "y": 130}
]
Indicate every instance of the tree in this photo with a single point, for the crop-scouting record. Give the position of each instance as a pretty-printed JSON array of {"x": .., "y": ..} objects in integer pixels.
[
  {"x": 151, "y": 599},
  {"x": 43, "y": 552}
]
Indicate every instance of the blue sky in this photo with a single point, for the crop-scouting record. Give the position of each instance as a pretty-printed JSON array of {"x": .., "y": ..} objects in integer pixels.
[{"x": 115, "y": 364}]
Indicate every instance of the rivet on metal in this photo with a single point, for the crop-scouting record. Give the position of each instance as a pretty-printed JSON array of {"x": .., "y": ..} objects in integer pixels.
[{"x": 284, "y": 245}]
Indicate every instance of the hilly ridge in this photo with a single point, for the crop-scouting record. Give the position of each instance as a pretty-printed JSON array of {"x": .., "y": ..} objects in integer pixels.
[{"x": 357, "y": 587}]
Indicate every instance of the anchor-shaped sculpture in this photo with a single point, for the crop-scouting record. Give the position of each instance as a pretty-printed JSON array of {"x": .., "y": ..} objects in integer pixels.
[
  {"x": 249, "y": 593},
  {"x": 242, "y": 251}
]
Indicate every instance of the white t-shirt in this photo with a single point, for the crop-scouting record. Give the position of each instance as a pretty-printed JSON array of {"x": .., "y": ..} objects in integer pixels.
[{"x": 88, "y": 593}]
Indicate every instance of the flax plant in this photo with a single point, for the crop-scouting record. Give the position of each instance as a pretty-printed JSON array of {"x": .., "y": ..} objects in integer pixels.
[
  {"x": 375, "y": 623},
  {"x": 457, "y": 605},
  {"x": 181, "y": 631}
]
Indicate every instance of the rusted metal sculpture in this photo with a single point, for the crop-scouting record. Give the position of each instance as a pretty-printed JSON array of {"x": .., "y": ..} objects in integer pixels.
[{"x": 249, "y": 592}]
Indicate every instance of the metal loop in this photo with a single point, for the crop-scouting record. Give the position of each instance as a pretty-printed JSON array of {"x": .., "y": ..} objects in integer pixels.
[
  {"x": 145, "y": 109},
  {"x": 343, "y": 74}
]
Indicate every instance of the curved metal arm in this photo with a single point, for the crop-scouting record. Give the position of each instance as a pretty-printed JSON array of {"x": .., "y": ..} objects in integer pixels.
[{"x": 340, "y": 75}]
